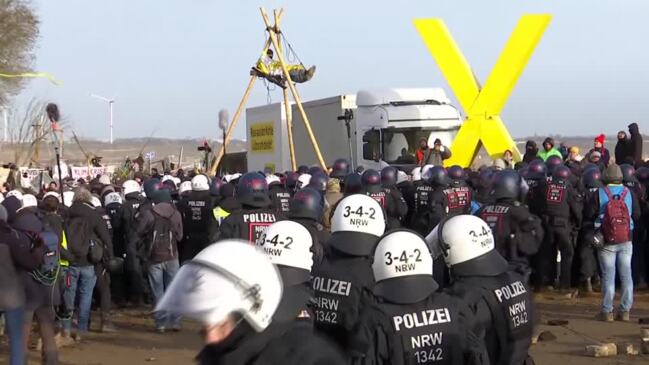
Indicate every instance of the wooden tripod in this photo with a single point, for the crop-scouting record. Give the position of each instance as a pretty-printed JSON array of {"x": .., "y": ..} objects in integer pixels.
[{"x": 274, "y": 40}]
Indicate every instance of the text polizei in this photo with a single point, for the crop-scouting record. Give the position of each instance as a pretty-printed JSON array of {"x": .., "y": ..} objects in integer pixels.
[
  {"x": 332, "y": 286},
  {"x": 259, "y": 218},
  {"x": 510, "y": 291},
  {"x": 422, "y": 319}
]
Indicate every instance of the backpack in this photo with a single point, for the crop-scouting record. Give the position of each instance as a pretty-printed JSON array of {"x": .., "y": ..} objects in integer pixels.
[
  {"x": 616, "y": 224},
  {"x": 48, "y": 270},
  {"x": 162, "y": 237}
]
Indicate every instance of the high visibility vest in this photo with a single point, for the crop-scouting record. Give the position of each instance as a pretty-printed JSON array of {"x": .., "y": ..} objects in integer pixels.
[
  {"x": 64, "y": 244},
  {"x": 220, "y": 214}
]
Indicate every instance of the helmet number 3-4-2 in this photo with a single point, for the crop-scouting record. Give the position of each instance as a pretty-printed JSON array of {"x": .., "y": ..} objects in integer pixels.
[
  {"x": 403, "y": 257},
  {"x": 359, "y": 212}
]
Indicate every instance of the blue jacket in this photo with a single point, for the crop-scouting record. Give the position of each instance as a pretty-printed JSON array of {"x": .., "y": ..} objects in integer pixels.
[{"x": 603, "y": 200}]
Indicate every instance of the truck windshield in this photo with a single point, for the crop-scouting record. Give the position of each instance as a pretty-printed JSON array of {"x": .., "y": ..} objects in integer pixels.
[{"x": 400, "y": 145}]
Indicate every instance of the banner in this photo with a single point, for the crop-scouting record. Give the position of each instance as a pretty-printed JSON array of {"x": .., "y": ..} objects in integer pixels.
[
  {"x": 82, "y": 172},
  {"x": 262, "y": 138}
]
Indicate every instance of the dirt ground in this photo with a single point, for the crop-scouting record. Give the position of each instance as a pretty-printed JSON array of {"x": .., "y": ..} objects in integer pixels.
[{"x": 136, "y": 343}]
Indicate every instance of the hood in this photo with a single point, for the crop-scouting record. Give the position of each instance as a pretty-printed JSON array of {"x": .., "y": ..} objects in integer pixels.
[
  {"x": 623, "y": 133},
  {"x": 79, "y": 209},
  {"x": 530, "y": 146},
  {"x": 549, "y": 141},
  {"x": 166, "y": 210},
  {"x": 633, "y": 129}
]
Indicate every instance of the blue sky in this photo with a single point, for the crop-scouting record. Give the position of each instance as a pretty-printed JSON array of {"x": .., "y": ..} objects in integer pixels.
[{"x": 173, "y": 64}]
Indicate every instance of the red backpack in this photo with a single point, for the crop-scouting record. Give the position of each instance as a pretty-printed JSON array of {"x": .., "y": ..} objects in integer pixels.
[{"x": 616, "y": 224}]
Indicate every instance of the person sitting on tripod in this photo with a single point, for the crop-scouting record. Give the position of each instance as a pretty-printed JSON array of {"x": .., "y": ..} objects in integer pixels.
[{"x": 270, "y": 68}]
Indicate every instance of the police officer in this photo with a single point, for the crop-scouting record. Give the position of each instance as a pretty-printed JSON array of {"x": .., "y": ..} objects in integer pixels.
[
  {"x": 306, "y": 209},
  {"x": 228, "y": 204},
  {"x": 407, "y": 190},
  {"x": 393, "y": 204},
  {"x": 343, "y": 282},
  {"x": 234, "y": 291},
  {"x": 431, "y": 201},
  {"x": 199, "y": 224},
  {"x": 256, "y": 213},
  {"x": 102, "y": 286},
  {"x": 563, "y": 209},
  {"x": 352, "y": 184},
  {"x": 517, "y": 233},
  {"x": 483, "y": 185},
  {"x": 501, "y": 300},
  {"x": 340, "y": 169},
  {"x": 459, "y": 193},
  {"x": 288, "y": 245},
  {"x": 411, "y": 322},
  {"x": 137, "y": 285},
  {"x": 279, "y": 196},
  {"x": 591, "y": 180},
  {"x": 639, "y": 232},
  {"x": 536, "y": 179},
  {"x": 291, "y": 182},
  {"x": 389, "y": 177}
]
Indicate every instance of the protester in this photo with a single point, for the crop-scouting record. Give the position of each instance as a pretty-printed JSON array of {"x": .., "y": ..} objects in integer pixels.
[
  {"x": 548, "y": 150},
  {"x": 531, "y": 151},
  {"x": 623, "y": 152},
  {"x": 598, "y": 146},
  {"x": 636, "y": 143}
]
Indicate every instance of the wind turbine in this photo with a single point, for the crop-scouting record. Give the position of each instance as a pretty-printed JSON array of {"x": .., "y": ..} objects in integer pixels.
[{"x": 110, "y": 108}]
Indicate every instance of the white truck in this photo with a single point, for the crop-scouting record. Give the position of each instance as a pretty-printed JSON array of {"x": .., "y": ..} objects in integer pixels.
[{"x": 365, "y": 128}]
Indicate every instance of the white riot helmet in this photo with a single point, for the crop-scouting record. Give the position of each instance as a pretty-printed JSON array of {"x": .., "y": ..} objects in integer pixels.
[
  {"x": 403, "y": 268},
  {"x": 303, "y": 181},
  {"x": 468, "y": 246},
  {"x": 167, "y": 177},
  {"x": 112, "y": 198},
  {"x": 185, "y": 187},
  {"x": 288, "y": 245},
  {"x": 104, "y": 180},
  {"x": 416, "y": 174},
  {"x": 130, "y": 186},
  {"x": 29, "y": 201},
  {"x": 176, "y": 181},
  {"x": 356, "y": 225},
  {"x": 15, "y": 193},
  {"x": 68, "y": 197},
  {"x": 273, "y": 179},
  {"x": 200, "y": 183},
  {"x": 401, "y": 177},
  {"x": 227, "y": 277},
  {"x": 53, "y": 194}
]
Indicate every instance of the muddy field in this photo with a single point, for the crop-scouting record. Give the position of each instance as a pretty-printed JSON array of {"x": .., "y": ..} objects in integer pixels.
[{"x": 136, "y": 343}]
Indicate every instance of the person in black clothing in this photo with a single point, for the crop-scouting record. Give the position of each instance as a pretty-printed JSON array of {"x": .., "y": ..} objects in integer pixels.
[
  {"x": 85, "y": 228},
  {"x": 561, "y": 214},
  {"x": 390, "y": 201},
  {"x": 635, "y": 148},
  {"x": 279, "y": 196},
  {"x": 228, "y": 204},
  {"x": 241, "y": 327},
  {"x": 407, "y": 190},
  {"x": 344, "y": 280},
  {"x": 623, "y": 149},
  {"x": 517, "y": 233},
  {"x": 430, "y": 200},
  {"x": 459, "y": 193},
  {"x": 102, "y": 287},
  {"x": 136, "y": 283},
  {"x": 531, "y": 150},
  {"x": 389, "y": 177},
  {"x": 199, "y": 224},
  {"x": 305, "y": 208},
  {"x": 639, "y": 194},
  {"x": 501, "y": 300},
  {"x": 256, "y": 214},
  {"x": 394, "y": 338}
]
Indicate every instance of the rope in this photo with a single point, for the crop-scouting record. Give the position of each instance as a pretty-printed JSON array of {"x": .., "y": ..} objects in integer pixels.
[{"x": 290, "y": 48}]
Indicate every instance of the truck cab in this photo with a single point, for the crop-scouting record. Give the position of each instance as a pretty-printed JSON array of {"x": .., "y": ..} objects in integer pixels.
[{"x": 391, "y": 123}]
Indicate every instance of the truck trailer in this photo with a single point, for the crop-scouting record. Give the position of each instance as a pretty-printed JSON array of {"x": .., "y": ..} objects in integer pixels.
[{"x": 369, "y": 129}]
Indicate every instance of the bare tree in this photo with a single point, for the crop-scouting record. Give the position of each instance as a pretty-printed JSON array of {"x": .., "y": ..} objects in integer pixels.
[{"x": 18, "y": 34}]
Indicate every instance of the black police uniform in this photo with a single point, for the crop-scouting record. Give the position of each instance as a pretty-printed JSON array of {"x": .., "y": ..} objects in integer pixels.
[
  {"x": 292, "y": 343},
  {"x": 342, "y": 286},
  {"x": 459, "y": 196},
  {"x": 431, "y": 207},
  {"x": 393, "y": 204},
  {"x": 248, "y": 224},
  {"x": 427, "y": 328},
  {"x": 279, "y": 198},
  {"x": 503, "y": 306},
  {"x": 517, "y": 233},
  {"x": 137, "y": 285},
  {"x": 407, "y": 190},
  {"x": 199, "y": 224},
  {"x": 103, "y": 276},
  {"x": 561, "y": 213}
]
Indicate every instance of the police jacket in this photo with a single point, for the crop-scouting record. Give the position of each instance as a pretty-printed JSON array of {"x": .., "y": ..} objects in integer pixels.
[
  {"x": 319, "y": 235},
  {"x": 342, "y": 287},
  {"x": 392, "y": 202},
  {"x": 459, "y": 196},
  {"x": 503, "y": 306},
  {"x": 292, "y": 343},
  {"x": 279, "y": 198},
  {"x": 248, "y": 224},
  {"x": 517, "y": 232},
  {"x": 127, "y": 213},
  {"x": 439, "y": 329},
  {"x": 407, "y": 190},
  {"x": 430, "y": 212},
  {"x": 535, "y": 196},
  {"x": 198, "y": 218},
  {"x": 562, "y": 205}
]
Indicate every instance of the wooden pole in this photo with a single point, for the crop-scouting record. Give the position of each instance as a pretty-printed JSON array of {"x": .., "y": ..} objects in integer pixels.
[
  {"x": 233, "y": 123},
  {"x": 287, "y": 106},
  {"x": 289, "y": 82}
]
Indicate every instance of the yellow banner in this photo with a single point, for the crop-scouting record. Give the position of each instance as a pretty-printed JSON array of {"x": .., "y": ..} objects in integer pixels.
[{"x": 262, "y": 137}]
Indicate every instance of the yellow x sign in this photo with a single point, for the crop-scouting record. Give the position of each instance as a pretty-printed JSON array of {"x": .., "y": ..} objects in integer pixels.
[{"x": 482, "y": 105}]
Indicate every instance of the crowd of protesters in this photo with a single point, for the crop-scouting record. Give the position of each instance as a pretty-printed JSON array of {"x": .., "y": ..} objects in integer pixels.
[{"x": 120, "y": 243}]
